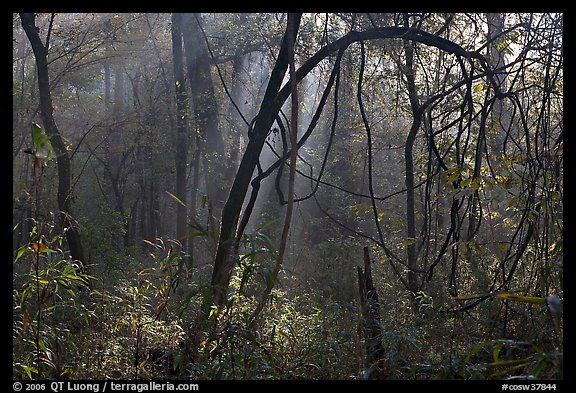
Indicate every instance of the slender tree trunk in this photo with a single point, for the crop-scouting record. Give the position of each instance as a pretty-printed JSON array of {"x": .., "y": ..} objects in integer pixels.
[
  {"x": 491, "y": 131},
  {"x": 409, "y": 165},
  {"x": 194, "y": 195},
  {"x": 62, "y": 158},
  {"x": 496, "y": 59},
  {"x": 235, "y": 132},
  {"x": 119, "y": 79},
  {"x": 291, "y": 31},
  {"x": 107, "y": 83},
  {"x": 269, "y": 108},
  {"x": 474, "y": 214},
  {"x": 182, "y": 131},
  {"x": 217, "y": 168},
  {"x": 371, "y": 324}
]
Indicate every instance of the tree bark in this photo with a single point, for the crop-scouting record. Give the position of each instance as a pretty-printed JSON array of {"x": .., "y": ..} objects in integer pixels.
[
  {"x": 269, "y": 108},
  {"x": 62, "y": 158},
  {"x": 291, "y": 31},
  {"x": 409, "y": 165},
  {"x": 182, "y": 130},
  {"x": 370, "y": 308},
  {"x": 217, "y": 168},
  {"x": 496, "y": 59}
]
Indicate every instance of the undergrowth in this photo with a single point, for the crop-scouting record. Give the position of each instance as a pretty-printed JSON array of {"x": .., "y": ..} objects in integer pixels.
[{"x": 145, "y": 326}]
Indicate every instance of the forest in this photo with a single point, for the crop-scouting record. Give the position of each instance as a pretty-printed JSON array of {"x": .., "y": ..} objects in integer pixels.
[{"x": 287, "y": 196}]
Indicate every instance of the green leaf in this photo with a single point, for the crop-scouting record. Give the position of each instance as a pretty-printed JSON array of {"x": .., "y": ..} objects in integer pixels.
[
  {"x": 42, "y": 146},
  {"x": 213, "y": 311},
  {"x": 475, "y": 184},
  {"x": 20, "y": 253},
  {"x": 496, "y": 351},
  {"x": 29, "y": 370},
  {"x": 36, "y": 135},
  {"x": 42, "y": 345},
  {"x": 176, "y": 198}
]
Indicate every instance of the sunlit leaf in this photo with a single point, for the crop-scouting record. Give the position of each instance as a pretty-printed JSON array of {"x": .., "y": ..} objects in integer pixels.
[
  {"x": 20, "y": 253},
  {"x": 478, "y": 88},
  {"x": 38, "y": 247},
  {"x": 409, "y": 241},
  {"x": 150, "y": 243},
  {"x": 28, "y": 370},
  {"x": 557, "y": 246},
  {"x": 42, "y": 147},
  {"x": 176, "y": 198},
  {"x": 36, "y": 134},
  {"x": 475, "y": 184},
  {"x": 520, "y": 298},
  {"x": 213, "y": 311}
]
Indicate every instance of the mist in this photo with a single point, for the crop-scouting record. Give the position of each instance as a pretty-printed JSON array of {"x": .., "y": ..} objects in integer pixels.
[{"x": 156, "y": 234}]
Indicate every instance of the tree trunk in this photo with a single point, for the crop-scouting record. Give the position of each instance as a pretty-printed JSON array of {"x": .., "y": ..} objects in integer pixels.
[
  {"x": 62, "y": 158},
  {"x": 409, "y": 165},
  {"x": 496, "y": 59},
  {"x": 182, "y": 137},
  {"x": 269, "y": 108},
  {"x": 291, "y": 30},
  {"x": 217, "y": 168},
  {"x": 237, "y": 124},
  {"x": 370, "y": 308}
]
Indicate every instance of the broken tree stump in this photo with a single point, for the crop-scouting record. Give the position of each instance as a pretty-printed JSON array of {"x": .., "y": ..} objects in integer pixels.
[{"x": 371, "y": 325}]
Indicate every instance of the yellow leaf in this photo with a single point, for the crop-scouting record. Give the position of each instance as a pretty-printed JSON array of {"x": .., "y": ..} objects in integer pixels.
[
  {"x": 409, "y": 241},
  {"x": 520, "y": 298},
  {"x": 478, "y": 88},
  {"x": 38, "y": 247},
  {"x": 150, "y": 243},
  {"x": 176, "y": 198}
]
